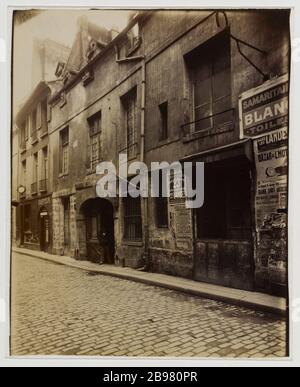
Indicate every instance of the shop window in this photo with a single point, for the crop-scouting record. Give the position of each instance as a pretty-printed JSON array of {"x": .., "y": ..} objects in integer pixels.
[
  {"x": 132, "y": 219},
  {"x": 226, "y": 211},
  {"x": 64, "y": 151},
  {"x": 163, "y": 110},
  {"x": 94, "y": 123},
  {"x": 27, "y": 217},
  {"x": 210, "y": 74}
]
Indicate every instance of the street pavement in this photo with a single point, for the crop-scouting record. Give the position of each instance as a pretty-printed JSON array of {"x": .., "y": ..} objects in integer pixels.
[{"x": 59, "y": 310}]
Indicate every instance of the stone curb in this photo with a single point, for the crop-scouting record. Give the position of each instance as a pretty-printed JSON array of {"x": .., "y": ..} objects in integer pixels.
[{"x": 268, "y": 304}]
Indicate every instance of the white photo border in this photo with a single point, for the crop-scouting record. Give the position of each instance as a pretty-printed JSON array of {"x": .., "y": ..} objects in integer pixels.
[{"x": 6, "y": 11}]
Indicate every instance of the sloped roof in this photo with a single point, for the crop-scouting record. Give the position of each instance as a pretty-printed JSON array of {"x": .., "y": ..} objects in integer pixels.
[{"x": 87, "y": 32}]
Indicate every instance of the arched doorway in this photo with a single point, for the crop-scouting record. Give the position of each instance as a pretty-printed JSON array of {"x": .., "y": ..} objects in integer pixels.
[
  {"x": 44, "y": 229},
  {"x": 99, "y": 219}
]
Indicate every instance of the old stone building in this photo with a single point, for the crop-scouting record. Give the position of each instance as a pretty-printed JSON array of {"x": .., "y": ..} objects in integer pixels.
[
  {"x": 32, "y": 162},
  {"x": 171, "y": 87}
]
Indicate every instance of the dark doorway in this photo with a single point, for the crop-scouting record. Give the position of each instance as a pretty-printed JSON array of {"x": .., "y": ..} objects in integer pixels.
[
  {"x": 223, "y": 226},
  {"x": 44, "y": 229},
  {"x": 100, "y": 242}
]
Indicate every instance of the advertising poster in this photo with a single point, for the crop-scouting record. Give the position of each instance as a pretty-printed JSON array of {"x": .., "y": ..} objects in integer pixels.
[{"x": 264, "y": 118}]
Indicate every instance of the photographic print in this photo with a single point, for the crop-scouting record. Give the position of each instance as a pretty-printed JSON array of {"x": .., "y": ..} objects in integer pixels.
[{"x": 149, "y": 183}]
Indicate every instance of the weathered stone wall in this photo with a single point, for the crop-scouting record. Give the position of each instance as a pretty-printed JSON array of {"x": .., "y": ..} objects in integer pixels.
[{"x": 167, "y": 38}]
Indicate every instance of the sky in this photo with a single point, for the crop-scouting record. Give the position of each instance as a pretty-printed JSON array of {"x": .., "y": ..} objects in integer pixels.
[{"x": 59, "y": 25}]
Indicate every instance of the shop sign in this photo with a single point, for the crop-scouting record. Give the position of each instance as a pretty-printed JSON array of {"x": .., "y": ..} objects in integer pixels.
[{"x": 264, "y": 109}]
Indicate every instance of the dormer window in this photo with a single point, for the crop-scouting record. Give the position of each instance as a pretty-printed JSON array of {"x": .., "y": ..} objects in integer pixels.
[
  {"x": 133, "y": 39},
  {"x": 59, "y": 69}
]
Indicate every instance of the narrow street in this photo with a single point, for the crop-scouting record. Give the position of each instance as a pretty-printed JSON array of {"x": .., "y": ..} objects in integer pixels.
[{"x": 58, "y": 310}]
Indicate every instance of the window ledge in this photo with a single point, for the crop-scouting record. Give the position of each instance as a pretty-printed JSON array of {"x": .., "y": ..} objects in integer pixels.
[
  {"x": 126, "y": 242},
  {"x": 44, "y": 134},
  {"x": 135, "y": 46},
  {"x": 63, "y": 175},
  {"x": 34, "y": 141},
  {"x": 213, "y": 131},
  {"x": 91, "y": 171},
  {"x": 165, "y": 141}
]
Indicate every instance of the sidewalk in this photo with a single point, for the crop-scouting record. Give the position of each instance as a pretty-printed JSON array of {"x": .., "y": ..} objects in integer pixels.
[{"x": 257, "y": 301}]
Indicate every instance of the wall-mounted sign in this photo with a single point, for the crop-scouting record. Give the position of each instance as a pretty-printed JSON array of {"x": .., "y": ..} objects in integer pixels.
[{"x": 264, "y": 109}]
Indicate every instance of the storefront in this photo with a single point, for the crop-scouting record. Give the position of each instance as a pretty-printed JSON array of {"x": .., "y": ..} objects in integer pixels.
[
  {"x": 223, "y": 227},
  {"x": 34, "y": 217}
]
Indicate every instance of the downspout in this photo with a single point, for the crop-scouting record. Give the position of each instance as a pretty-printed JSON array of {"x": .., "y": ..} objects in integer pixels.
[
  {"x": 142, "y": 145},
  {"x": 142, "y": 159}
]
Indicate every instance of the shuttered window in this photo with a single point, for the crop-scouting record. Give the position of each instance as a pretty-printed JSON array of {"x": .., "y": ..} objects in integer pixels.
[{"x": 211, "y": 84}]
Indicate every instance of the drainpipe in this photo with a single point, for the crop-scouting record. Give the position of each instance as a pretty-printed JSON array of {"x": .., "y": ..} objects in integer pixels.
[
  {"x": 142, "y": 158},
  {"x": 142, "y": 144}
]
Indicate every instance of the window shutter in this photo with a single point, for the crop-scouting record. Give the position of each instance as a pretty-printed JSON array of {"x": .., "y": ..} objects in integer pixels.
[{"x": 39, "y": 116}]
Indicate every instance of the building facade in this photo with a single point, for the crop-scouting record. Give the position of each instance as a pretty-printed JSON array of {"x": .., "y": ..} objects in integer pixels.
[{"x": 167, "y": 88}]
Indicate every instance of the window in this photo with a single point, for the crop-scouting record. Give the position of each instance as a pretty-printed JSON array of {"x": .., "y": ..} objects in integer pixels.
[
  {"x": 163, "y": 109},
  {"x": 44, "y": 170},
  {"x": 130, "y": 122},
  {"x": 44, "y": 118},
  {"x": 226, "y": 211},
  {"x": 35, "y": 174},
  {"x": 23, "y": 177},
  {"x": 161, "y": 205},
  {"x": 23, "y": 135},
  {"x": 133, "y": 39},
  {"x": 95, "y": 139},
  {"x": 210, "y": 71},
  {"x": 64, "y": 154},
  {"x": 34, "y": 124},
  {"x": 132, "y": 219}
]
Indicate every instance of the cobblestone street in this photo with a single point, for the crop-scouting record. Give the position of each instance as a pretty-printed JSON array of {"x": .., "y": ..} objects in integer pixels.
[{"x": 58, "y": 310}]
